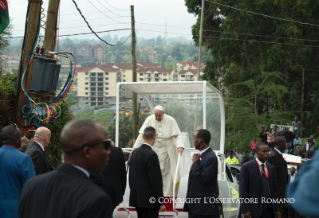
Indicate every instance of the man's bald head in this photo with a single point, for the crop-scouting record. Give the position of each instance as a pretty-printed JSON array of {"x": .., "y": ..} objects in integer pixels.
[
  {"x": 11, "y": 135},
  {"x": 42, "y": 135},
  {"x": 77, "y": 133}
]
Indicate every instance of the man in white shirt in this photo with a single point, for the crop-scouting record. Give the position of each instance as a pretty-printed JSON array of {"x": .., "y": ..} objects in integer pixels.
[{"x": 166, "y": 145}]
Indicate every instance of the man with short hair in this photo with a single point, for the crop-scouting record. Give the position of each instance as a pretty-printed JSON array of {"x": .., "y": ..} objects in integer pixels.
[
  {"x": 68, "y": 191},
  {"x": 145, "y": 178},
  {"x": 231, "y": 159},
  {"x": 166, "y": 145},
  {"x": 28, "y": 136},
  {"x": 296, "y": 124},
  {"x": 238, "y": 154},
  {"x": 202, "y": 181},
  {"x": 276, "y": 159},
  {"x": 36, "y": 150},
  {"x": 258, "y": 182},
  {"x": 245, "y": 158},
  {"x": 16, "y": 169}
]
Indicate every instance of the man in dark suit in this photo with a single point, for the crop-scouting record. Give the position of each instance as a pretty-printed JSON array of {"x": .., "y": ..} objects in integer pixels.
[
  {"x": 276, "y": 159},
  {"x": 36, "y": 150},
  {"x": 68, "y": 191},
  {"x": 245, "y": 158},
  {"x": 115, "y": 176},
  {"x": 145, "y": 178},
  {"x": 258, "y": 181},
  {"x": 202, "y": 181}
]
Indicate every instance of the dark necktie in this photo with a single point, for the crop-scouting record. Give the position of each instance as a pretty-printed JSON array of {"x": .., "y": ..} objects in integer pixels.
[{"x": 263, "y": 168}]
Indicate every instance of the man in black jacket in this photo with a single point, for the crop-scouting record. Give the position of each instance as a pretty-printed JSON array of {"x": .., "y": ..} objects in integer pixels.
[
  {"x": 258, "y": 186},
  {"x": 202, "y": 182},
  {"x": 145, "y": 178},
  {"x": 115, "y": 176},
  {"x": 68, "y": 192},
  {"x": 36, "y": 150},
  {"x": 276, "y": 159}
]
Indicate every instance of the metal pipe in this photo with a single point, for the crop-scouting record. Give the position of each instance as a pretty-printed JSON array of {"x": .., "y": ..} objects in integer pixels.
[{"x": 200, "y": 40}]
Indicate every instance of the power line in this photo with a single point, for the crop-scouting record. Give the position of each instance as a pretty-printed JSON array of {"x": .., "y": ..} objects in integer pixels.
[
  {"x": 102, "y": 12},
  {"x": 76, "y": 34},
  {"x": 93, "y": 30},
  {"x": 116, "y": 8},
  {"x": 264, "y": 15},
  {"x": 111, "y": 11}
]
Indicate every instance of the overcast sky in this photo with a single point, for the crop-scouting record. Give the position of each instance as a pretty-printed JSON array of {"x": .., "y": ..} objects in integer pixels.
[{"x": 152, "y": 13}]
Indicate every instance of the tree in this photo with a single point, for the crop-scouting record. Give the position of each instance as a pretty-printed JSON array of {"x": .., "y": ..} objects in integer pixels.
[{"x": 247, "y": 47}]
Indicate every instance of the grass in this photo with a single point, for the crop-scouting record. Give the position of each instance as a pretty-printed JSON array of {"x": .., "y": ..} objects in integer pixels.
[{"x": 104, "y": 119}]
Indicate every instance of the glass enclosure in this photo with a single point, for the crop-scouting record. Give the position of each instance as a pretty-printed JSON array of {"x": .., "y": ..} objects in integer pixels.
[{"x": 194, "y": 105}]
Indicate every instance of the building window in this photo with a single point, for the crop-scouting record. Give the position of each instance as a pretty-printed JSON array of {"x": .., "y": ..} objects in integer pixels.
[
  {"x": 86, "y": 78},
  {"x": 93, "y": 84},
  {"x": 106, "y": 78},
  {"x": 100, "y": 89},
  {"x": 93, "y": 89},
  {"x": 93, "y": 74},
  {"x": 86, "y": 73},
  {"x": 106, "y": 88},
  {"x": 106, "y": 83},
  {"x": 141, "y": 79},
  {"x": 106, "y": 93},
  {"x": 86, "y": 102},
  {"x": 141, "y": 99},
  {"x": 141, "y": 74},
  {"x": 86, "y": 98},
  {"x": 183, "y": 76},
  {"x": 106, "y": 98},
  {"x": 164, "y": 74},
  {"x": 100, "y": 84},
  {"x": 106, "y": 73},
  {"x": 124, "y": 80},
  {"x": 86, "y": 88},
  {"x": 100, "y": 74},
  {"x": 86, "y": 83},
  {"x": 100, "y": 103},
  {"x": 124, "y": 75},
  {"x": 86, "y": 93}
]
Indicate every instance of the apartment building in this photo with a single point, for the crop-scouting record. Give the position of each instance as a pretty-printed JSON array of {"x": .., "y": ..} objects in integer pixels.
[
  {"x": 97, "y": 85},
  {"x": 71, "y": 48},
  {"x": 10, "y": 63},
  {"x": 99, "y": 53},
  {"x": 189, "y": 75},
  {"x": 188, "y": 65}
]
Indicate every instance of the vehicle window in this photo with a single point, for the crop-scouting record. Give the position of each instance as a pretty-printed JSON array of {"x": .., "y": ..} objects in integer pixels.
[{"x": 229, "y": 176}]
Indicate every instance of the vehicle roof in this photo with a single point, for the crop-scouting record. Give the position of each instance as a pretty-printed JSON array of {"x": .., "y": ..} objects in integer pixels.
[{"x": 178, "y": 87}]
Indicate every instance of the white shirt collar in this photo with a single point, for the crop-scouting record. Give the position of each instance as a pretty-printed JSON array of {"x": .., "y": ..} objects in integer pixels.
[
  {"x": 147, "y": 144},
  {"x": 83, "y": 170},
  {"x": 203, "y": 151},
  {"x": 260, "y": 163},
  {"x": 40, "y": 145},
  {"x": 278, "y": 151}
]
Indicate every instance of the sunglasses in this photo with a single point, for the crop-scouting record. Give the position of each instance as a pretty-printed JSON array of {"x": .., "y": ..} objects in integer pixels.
[{"x": 106, "y": 143}]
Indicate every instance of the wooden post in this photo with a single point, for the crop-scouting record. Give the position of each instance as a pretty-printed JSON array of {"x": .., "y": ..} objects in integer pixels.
[
  {"x": 29, "y": 40},
  {"x": 302, "y": 117},
  {"x": 50, "y": 25},
  {"x": 135, "y": 115}
]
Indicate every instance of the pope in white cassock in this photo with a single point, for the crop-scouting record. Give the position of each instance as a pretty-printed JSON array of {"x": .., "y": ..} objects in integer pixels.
[{"x": 166, "y": 148}]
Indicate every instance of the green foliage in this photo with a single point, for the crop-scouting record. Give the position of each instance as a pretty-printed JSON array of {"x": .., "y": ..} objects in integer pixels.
[
  {"x": 259, "y": 74},
  {"x": 7, "y": 97},
  {"x": 105, "y": 119},
  {"x": 54, "y": 151}
]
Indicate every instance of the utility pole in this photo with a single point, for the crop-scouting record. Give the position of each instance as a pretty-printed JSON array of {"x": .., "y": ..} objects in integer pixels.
[
  {"x": 50, "y": 25},
  {"x": 199, "y": 59},
  {"x": 29, "y": 40},
  {"x": 135, "y": 113}
]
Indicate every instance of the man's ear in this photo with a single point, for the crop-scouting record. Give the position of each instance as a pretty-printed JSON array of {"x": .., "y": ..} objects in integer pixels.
[{"x": 87, "y": 152}]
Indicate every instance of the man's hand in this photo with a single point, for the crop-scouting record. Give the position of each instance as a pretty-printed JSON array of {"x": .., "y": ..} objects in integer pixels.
[
  {"x": 162, "y": 208},
  {"x": 180, "y": 150},
  {"x": 247, "y": 215},
  {"x": 278, "y": 215},
  {"x": 195, "y": 158}
]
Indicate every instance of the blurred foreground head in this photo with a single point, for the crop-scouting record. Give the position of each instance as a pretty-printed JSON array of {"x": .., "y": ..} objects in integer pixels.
[{"x": 84, "y": 143}]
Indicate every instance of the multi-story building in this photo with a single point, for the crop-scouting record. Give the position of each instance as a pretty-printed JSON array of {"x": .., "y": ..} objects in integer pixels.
[
  {"x": 188, "y": 65},
  {"x": 97, "y": 85},
  {"x": 189, "y": 75},
  {"x": 71, "y": 48},
  {"x": 10, "y": 63},
  {"x": 86, "y": 52},
  {"x": 152, "y": 55},
  {"x": 99, "y": 53}
]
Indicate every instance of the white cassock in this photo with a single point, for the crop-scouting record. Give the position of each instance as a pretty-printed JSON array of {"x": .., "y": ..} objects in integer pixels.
[{"x": 165, "y": 146}]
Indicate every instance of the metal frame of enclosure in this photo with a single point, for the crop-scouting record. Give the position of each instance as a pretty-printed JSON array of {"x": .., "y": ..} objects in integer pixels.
[{"x": 181, "y": 87}]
